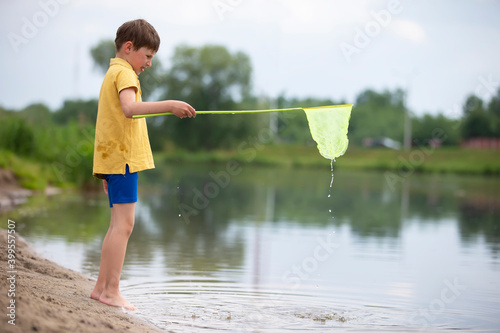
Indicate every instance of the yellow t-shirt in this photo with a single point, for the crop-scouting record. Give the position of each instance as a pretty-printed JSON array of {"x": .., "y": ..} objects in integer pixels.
[{"x": 119, "y": 140}]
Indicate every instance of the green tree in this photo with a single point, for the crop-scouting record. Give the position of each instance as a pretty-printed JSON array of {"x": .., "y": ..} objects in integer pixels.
[
  {"x": 101, "y": 53},
  {"x": 210, "y": 78},
  {"x": 377, "y": 115},
  {"x": 494, "y": 114},
  {"x": 83, "y": 112},
  {"x": 423, "y": 129},
  {"x": 36, "y": 114},
  {"x": 475, "y": 122}
]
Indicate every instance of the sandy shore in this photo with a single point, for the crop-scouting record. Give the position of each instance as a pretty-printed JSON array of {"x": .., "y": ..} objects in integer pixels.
[{"x": 51, "y": 298}]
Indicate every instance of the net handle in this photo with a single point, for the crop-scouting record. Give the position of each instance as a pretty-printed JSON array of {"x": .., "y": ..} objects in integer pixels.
[{"x": 244, "y": 111}]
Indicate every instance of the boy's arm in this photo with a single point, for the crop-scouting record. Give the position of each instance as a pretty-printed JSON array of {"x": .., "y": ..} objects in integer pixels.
[{"x": 131, "y": 108}]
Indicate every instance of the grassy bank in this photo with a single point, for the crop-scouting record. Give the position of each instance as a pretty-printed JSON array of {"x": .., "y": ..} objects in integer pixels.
[
  {"x": 428, "y": 160},
  {"x": 35, "y": 174},
  {"x": 30, "y": 173}
]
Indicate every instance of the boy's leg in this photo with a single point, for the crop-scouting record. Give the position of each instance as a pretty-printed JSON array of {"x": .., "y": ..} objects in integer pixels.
[
  {"x": 99, "y": 286},
  {"x": 113, "y": 254},
  {"x": 102, "y": 278}
]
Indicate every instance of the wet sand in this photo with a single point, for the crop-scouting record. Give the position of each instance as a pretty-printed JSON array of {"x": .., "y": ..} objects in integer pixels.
[{"x": 45, "y": 297}]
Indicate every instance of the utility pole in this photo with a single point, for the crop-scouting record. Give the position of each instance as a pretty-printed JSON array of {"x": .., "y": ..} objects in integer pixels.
[
  {"x": 407, "y": 124},
  {"x": 273, "y": 118},
  {"x": 408, "y": 78}
]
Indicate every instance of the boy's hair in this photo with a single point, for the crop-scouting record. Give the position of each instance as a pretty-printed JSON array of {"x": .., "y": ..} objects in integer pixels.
[{"x": 140, "y": 33}]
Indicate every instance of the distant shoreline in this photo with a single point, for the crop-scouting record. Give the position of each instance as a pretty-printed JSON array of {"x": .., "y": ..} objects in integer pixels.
[
  {"x": 39, "y": 295},
  {"x": 443, "y": 160}
]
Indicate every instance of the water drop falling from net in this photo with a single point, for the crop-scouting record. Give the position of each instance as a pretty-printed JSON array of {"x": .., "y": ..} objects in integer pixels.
[
  {"x": 331, "y": 182},
  {"x": 331, "y": 169}
]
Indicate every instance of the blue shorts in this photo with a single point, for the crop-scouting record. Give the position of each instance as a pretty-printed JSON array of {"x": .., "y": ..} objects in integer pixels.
[{"x": 122, "y": 188}]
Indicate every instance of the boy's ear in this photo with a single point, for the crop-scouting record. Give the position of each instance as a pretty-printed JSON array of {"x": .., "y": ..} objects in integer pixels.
[{"x": 127, "y": 47}]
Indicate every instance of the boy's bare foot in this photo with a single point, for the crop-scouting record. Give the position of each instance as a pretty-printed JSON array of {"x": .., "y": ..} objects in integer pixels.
[
  {"x": 95, "y": 294},
  {"x": 118, "y": 301}
]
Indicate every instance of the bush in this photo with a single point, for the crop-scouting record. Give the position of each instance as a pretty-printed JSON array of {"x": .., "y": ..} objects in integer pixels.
[{"x": 16, "y": 135}]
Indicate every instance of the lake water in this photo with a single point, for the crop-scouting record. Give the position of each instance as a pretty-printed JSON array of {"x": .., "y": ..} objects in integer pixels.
[{"x": 248, "y": 249}]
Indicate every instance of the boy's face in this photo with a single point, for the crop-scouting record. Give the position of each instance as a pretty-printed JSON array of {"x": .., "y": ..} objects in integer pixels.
[{"x": 140, "y": 59}]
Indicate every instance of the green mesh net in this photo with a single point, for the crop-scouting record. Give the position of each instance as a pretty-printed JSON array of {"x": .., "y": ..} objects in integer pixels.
[{"x": 328, "y": 126}]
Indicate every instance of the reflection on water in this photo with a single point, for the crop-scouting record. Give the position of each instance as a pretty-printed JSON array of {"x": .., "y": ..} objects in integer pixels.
[{"x": 242, "y": 248}]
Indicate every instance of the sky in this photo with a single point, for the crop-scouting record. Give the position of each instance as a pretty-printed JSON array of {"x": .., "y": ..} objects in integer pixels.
[{"x": 438, "y": 51}]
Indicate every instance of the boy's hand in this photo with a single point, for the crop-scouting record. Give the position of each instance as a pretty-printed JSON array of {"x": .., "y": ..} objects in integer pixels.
[
  {"x": 182, "y": 109},
  {"x": 105, "y": 186}
]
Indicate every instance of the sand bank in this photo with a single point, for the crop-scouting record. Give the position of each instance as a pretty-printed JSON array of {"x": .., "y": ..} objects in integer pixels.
[{"x": 45, "y": 297}]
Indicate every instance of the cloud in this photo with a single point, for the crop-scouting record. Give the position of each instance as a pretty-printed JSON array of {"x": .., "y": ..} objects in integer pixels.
[
  {"x": 322, "y": 16},
  {"x": 409, "y": 30}
]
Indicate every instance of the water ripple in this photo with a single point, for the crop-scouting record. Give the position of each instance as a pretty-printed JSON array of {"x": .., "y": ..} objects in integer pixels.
[{"x": 211, "y": 305}]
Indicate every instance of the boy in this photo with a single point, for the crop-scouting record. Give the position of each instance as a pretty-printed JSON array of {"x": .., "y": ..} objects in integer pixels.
[{"x": 122, "y": 148}]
